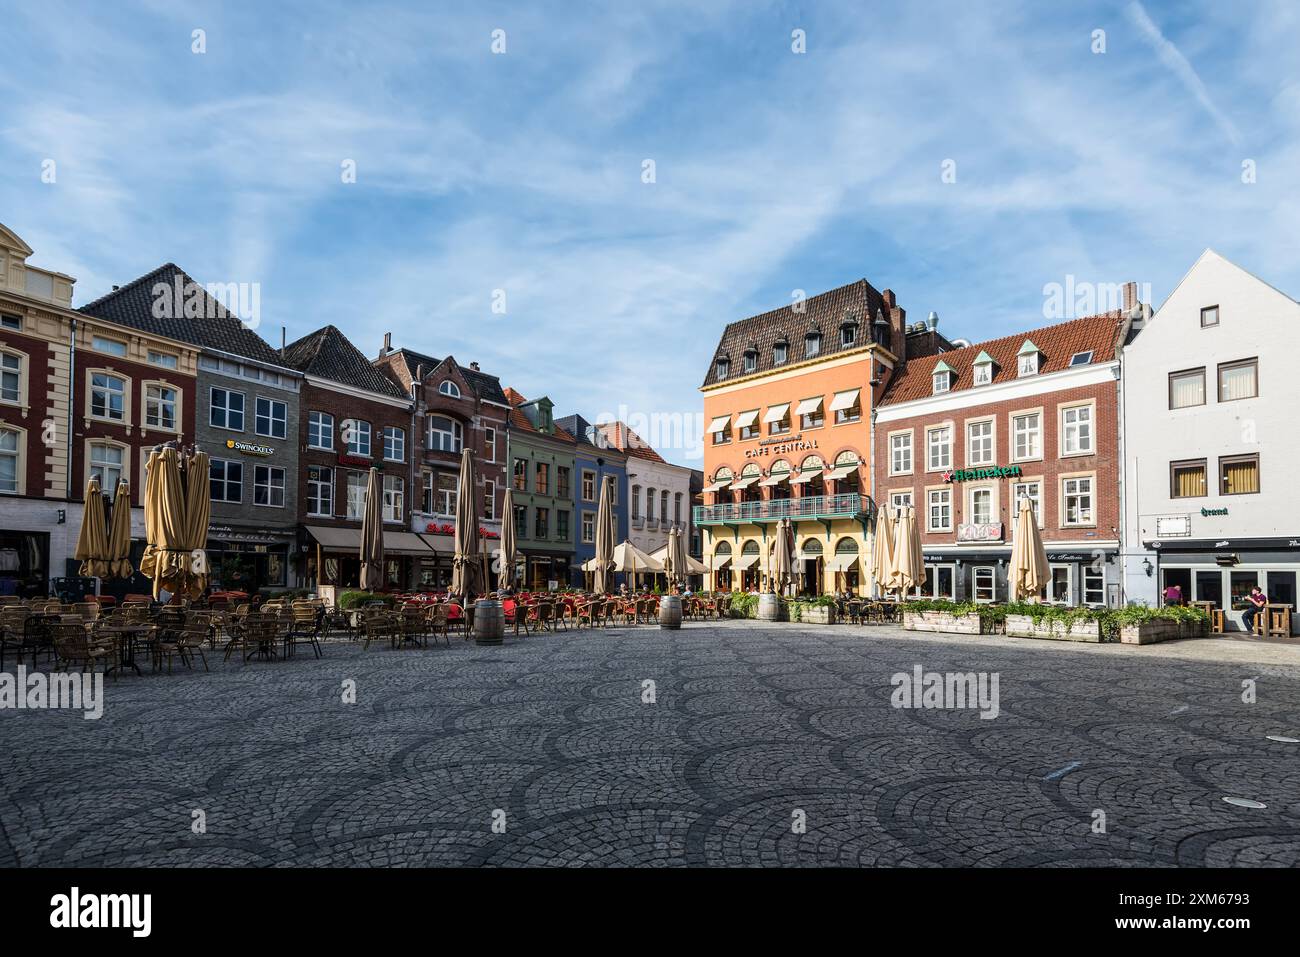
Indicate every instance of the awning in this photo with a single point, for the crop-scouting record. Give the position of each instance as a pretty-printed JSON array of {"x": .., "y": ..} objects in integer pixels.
[
  {"x": 349, "y": 540},
  {"x": 716, "y": 486},
  {"x": 719, "y": 424},
  {"x": 745, "y": 482},
  {"x": 845, "y": 400},
  {"x": 841, "y": 563},
  {"x": 809, "y": 406},
  {"x": 776, "y": 478},
  {"x": 442, "y": 544},
  {"x": 805, "y": 476},
  {"x": 722, "y": 563},
  {"x": 777, "y": 412},
  {"x": 745, "y": 561},
  {"x": 746, "y": 419},
  {"x": 842, "y": 470}
]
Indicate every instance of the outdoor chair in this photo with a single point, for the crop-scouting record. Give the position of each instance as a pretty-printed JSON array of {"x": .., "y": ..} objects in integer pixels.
[
  {"x": 414, "y": 624},
  {"x": 304, "y": 629},
  {"x": 73, "y": 646},
  {"x": 456, "y": 618},
  {"x": 438, "y": 622},
  {"x": 586, "y": 612},
  {"x": 18, "y": 631}
]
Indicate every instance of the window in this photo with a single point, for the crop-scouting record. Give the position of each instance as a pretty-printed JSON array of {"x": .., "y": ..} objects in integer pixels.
[
  {"x": 778, "y": 419},
  {"x": 1078, "y": 501},
  {"x": 612, "y": 482},
  {"x": 268, "y": 486},
  {"x": 489, "y": 499},
  {"x": 449, "y": 389},
  {"x": 983, "y": 373},
  {"x": 722, "y": 367},
  {"x": 1032, "y": 491},
  {"x": 394, "y": 498},
  {"x": 164, "y": 359},
  {"x": 542, "y": 478},
  {"x": 979, "y": 443},
  {"x": 394, "y": 444},
  {"x": 847, "y": 406},
  {"x": 748, "y": 422},
  {"x": 677, "y": 508},
  {"x": 1058, "y": 587},
  {"x": 320, "y": 431},
  {"x": 985, "y": 582},
  {"x": 11, "y": 377},
  {"x": 440, "y": 492},
  {"x": 1209, "y": 316},
  {"x": 320, "y": 490},
  {"x": 225, "y": 481},
  {"x": 270, "y": 418},
  {"x": 812, "y": 345},
  {"x": 541, "y": 522},
  {"x": 810, "y": 413},
  {"x": 110, "y": 346},
  {"x": 636, "y": 503},
  {"x": 107, "y": 397},
  {"x": 521, "y": 521},
  {"x": 357, "y": 434},
  {"x": 562, "y": 487},
  {"x": 650, "y": 505},
  {"x": 848, "y": 334},
  {"x": 160, "y": 407},
  {"x": 940, "y": 382},
  {"x": 562, "y": 525},
  {"x": 490, "y": 444},
  {"x": 1027, "y": 364},
  {"x": 1187, "y": 479},
  {"x": 445, "y": 434},
  {"x": 11, "y": 452},
  {"x": 900, "y": 453},
  {"x": 7, "y": 321},
  {"x": 1186, "y": 388},
  {"x": 900, "y": 499},
  {"x": 1238, "y": 380},
  {"x": 1027, "y": 436},
  {"x": 521, "y": 475},
  {"x": 1076, "y": 430},
  {"x": 588, "y": 485},
  {"x": 780, "y": 353},
  {"x": 1094, "y": 586},
  {"x": 1239, "y": 475},
  {"x": 940, "y": 510},
  {"x": 588, "y": 528},
  {"x": 356, "y": 494},
  {"x": 1081, "y": 358},
  {"x": 663, "y": 506},
  {"x": 751, "y": 360},
  {"x": 722, "y": 435},
  {"x": 981, "y": 506},
  {"x": 938, "y": 448},
  {"x": 107, "y": 465},
  {"x": 211, "y": 363},
  {"x": 226, "y": 410}
]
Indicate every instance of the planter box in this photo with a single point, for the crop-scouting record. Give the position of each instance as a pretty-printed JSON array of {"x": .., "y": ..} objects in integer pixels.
[
  {"x": 1149, "y": 632},
  {"x": 942, "y": 621},
  {"x": 815, "y": 615},
  {"x": 1022, "y": 626}
]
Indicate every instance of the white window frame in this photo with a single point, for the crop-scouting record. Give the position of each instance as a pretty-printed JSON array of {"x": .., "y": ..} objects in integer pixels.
[
  {"x": 588, "y": 527},
  {"x": 357, "y": 429},
  {"x": 96, "y": 469},
  {"x": 225, "y": 408},
  {"x": 448, "y": 388},
  {"x": 1027, "y": 365},
  {"x": 355, "y": 494},
  {"x": 19, "y": 455},
  {"x": 1066, "y": 481},
  {"x": 1089, "y": 571},
  {"x": 931, "y": 446},
  {"x": 1071, "y": 431},
  {"x": 489, "y": 500},
  {"x": 1036, "y": 433},
  {"x": 983, "y": 373},
  {"x": 20, "y": 375},
  {"x": 264, "y": 478},
  {"x": 456, "y": 435},
  {"x": 896, "y": 449},
  {"x": 108, "y": 374},
  {"x": 272, "y": 420},
  {"x": 976, "y": 574},
  {"x": 325, "y": 485},
  {"x": 940, "y": 498},
  {"x": 394, "y": 495},
  {"x": 974, "y": 442},
  {"x": 1036, "y": 499},
  {"x": 321, "y": 424},
  {"x": 394, "y": 443},
  {"x": 152, "y": 401},
  {"x": 490, "y": 443},
  {"x": 971, "y": 516}
]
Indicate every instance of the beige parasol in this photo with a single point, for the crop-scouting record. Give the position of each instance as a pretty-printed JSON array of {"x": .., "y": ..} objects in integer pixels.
[
  {"x": 1028, "y": 570},
  {"x": 372, "y": 534},
  {"x": 465, "y": 562},
  {"x": 92, "y": 540},
  {"x": 883, "y": 556},
  {"x": 602, "y": 579},
  {"x": 906, "y": 570},
  {"x": 198, "y": 510},
  {"x": 166, "y": 557},
  {"x": 506, "y": 555},
  {"x": 783, "y": 557},
  {"x": 119, "y": 533}
]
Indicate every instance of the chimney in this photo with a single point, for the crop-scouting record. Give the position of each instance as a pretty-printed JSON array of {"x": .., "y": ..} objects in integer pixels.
[
  {"x": 116, "y": 288},
  {"x": 474, "y": 366},
  {"x": 1130, "y": 295},
  {"x": 388, "y": 344},
  {"x": 284, "y": 339}
]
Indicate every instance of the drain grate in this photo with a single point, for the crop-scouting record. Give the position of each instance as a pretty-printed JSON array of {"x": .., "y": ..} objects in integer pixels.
[
  {"x": 1246, "y": 802},
  {"x": 1283, "y": 740}
]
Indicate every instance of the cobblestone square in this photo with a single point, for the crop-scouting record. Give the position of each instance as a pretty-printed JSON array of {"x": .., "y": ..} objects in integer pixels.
[{"x": 748, "y": 730}]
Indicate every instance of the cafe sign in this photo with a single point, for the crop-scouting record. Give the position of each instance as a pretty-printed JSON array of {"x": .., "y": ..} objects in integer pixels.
[
  {"x": 972, "y": 532},
  {"x": 249, "y": 448},
  {"x": 972, "y": 475},
  {"x": 781, "y": 446}
]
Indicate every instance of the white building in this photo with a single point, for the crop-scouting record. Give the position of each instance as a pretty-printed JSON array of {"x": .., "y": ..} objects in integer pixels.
[
  {"x": 1209, "y": 405},
  {"x": 659, "y": 493}
]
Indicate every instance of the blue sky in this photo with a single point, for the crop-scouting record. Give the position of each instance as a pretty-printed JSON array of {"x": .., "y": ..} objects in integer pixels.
[{"x": 774, "y": 171}]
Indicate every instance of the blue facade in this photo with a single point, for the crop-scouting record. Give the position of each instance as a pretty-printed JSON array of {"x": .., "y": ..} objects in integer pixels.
[{"x": 593, "y": 463}]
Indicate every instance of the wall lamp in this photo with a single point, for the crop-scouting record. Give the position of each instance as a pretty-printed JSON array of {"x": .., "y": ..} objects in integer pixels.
[{"x": 1148, "y": 567}]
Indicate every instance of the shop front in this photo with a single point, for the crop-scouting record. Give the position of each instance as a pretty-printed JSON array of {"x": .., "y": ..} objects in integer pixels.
[
  {"x": 241, "y": 558},
  {"x": 24, "y": 563},
  {"x": 543, "y": 571},
  {"x": 1224, "y": 572},
  {"x": 333, "y": 559}
]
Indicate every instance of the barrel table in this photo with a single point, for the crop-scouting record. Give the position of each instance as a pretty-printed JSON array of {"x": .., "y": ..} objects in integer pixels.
[
  {"x": 489, "y": 622},
  {"x": 670, "y": 611},
  {"x": 769, "y": 607}
]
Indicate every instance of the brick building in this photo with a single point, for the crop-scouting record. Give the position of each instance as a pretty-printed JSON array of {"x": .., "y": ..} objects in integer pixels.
[
  {"x": 964, "y": 434},
  {"x": 352, "y": 418},
  {"x": 455, "y": 407}
]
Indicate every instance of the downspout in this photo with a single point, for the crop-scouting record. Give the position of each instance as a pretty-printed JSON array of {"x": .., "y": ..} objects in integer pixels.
[{"x": 72, "y": 391}]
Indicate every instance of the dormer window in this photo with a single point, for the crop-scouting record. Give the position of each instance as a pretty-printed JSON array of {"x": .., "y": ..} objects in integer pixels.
[
  {"x": 941, "y": 378},
  {"x": 1027, "y": 359},
  {"x": 1081, "y": 358},
  {"x": 983, "y": 369},
  {"x": 848, "y": 334},
  {"x": 812, "y": 344},
  {"x": 722, "y": 367},
  {"x": 780, "y": 353},
  {"x": 449, "y": 389},
  {"x": 751, "y": 360}
]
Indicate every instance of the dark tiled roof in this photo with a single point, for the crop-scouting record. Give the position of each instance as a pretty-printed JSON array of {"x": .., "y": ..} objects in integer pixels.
[
  {"x": 1056, "y": 345},
  {"x": 132, "y": 306},
  {"x": 824, "y": 312},
  {"x": 328, "y": 354},
  {"x": 624, "y": 438},
  {"x": 487, "y": 386},
  {"x": 519, "y": 420}
]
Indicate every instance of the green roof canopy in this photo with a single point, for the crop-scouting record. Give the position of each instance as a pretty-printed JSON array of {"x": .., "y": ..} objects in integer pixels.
[{"x": 1028, "y": 348}]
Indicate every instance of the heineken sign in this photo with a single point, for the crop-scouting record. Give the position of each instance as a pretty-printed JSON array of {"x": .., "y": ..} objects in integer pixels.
[{"x": 971, "y": 475}]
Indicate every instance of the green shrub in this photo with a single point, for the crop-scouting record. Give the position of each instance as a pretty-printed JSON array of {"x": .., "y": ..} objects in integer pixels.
[
  {"x": 355, "y": 599},
  {"x": 744, "y": 605}
]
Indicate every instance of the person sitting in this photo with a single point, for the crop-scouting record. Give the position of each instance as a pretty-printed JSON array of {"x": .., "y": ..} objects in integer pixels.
[
  {"x": 1174, "y": 595},
  {"x": 1256, "y": 601}
]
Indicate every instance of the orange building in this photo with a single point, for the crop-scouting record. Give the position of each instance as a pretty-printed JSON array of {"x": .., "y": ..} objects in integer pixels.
[{"x": 788, "y": 403}]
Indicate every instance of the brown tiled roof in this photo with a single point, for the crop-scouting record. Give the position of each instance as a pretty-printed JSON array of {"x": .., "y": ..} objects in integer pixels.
[
  {"x": 518, "y": 420},
  {"x": 1056, "y": 345},
  {"x": 823, "y": 312},
  {"x": 624, "y": 439}
]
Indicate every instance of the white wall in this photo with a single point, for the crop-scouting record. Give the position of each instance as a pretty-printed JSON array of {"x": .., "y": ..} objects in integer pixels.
[
  {"x": 659, "y": 476},
  {"x": 1255, "y": 320}
]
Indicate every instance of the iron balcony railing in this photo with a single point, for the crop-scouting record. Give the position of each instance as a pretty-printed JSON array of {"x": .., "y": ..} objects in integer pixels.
[{"x": 850, "y": 505}]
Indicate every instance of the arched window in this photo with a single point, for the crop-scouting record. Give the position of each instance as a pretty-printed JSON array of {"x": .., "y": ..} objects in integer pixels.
[
  {"x": 812, "y": 548},
  {"x": 723, "y": 550},
  {"x": 450, "y": 389},
  {"x": 722, "y": 475},
  {"x": 846, "y": 546},
  {"x": 750, "y": 548},
  {"x": 750, "y": 471}
]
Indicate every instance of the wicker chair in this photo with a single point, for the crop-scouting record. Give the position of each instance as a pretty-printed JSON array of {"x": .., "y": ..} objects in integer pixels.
[
  {"x": 304, "y": 628},
  {"x": 73, "y": 646}
]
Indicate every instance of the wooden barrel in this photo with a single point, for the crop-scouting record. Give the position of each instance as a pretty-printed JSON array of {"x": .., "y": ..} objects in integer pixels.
[
  {"x": 670, "y": 611},
  {"x": 769, "y": 607},
  {"x": 489, "y": 622}
]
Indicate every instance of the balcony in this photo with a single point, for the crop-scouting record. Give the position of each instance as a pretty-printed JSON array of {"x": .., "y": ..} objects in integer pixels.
[{"x": 812, "y": 507}]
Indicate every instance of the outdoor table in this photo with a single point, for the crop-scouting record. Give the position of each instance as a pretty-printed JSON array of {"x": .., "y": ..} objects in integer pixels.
[{"x": 124, "y": 638}]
